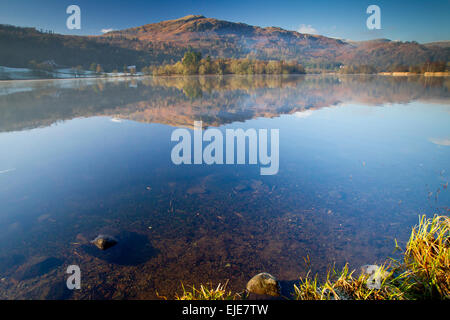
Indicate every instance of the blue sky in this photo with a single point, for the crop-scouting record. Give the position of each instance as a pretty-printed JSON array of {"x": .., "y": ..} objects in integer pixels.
[{"x": 422, "y": 21}]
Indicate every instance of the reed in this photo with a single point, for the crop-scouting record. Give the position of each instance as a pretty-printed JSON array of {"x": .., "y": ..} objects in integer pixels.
[
  {"x": 207, "y": 292},
  {"x": 424, "y": 270}
]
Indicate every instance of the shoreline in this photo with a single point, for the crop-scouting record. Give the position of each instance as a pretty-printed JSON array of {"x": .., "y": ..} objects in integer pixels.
[
  {"x": 130, "y": 77},
  {"x": 409, "y": 74}
]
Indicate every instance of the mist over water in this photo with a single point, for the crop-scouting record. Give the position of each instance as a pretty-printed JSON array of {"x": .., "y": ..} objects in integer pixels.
[{"x": 360, "y": 158}]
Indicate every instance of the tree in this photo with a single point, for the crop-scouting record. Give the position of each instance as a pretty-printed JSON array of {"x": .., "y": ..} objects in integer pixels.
[
  {"x": 221, "y": 66},
  {"x": 191, "y": 61}
]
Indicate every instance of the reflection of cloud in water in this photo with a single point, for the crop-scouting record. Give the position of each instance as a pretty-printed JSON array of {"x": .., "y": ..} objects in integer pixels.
[
  {"x": 303, "y": 114},
  {"x": 8, "y": 170},
  {"x": 441, "y": 142}
]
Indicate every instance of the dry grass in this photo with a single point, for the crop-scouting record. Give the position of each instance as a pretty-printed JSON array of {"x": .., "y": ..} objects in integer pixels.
[
  {"x": 207, "y": 293},
  {"x": 422, "y": 273},
  {"x": 344, "y": 285}
]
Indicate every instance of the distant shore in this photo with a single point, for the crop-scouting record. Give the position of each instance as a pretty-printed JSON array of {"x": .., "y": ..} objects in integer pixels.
[
  {"x": 426, "y": 74},
  {"x": 134, "y": 76}
]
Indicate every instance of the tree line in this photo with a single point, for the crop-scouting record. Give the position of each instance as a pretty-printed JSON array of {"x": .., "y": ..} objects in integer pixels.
[
  {"x": 435, "y": 66},
  {"x": 192, "y": 63}
]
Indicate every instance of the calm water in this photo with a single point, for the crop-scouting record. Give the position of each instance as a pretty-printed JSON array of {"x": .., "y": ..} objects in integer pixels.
[{"x": 360, "y": 159}]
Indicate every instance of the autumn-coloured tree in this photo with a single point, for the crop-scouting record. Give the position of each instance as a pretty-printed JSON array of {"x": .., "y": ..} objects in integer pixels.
[{"x": 191, "y": 62}]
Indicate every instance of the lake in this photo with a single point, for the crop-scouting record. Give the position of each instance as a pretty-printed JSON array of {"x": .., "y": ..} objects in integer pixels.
[{"x": 360, "y": 158}]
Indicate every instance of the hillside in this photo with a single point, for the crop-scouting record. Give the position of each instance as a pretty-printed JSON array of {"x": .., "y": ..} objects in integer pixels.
[
  {"x": 165, "y": 42},
  {"x": 384, "y": 52},
  {"x": 20, "y": 46},
  {"x": 219, "y": 38}
]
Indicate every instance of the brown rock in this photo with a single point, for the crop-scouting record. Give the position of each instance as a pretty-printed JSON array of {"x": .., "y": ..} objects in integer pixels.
[
  {"x": 104, "y": 242},
  {"x": 264, "y": 284}
]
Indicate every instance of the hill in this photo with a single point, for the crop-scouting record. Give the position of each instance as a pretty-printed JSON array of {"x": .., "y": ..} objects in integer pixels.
[
  {"x": 167, "y": 41},
  {"x": 219, "y": 38}
]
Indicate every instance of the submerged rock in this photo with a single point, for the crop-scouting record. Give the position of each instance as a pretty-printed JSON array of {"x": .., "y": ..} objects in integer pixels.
[
  {"x": 256, "y": 184},
  {"x": 241, "y": 187},
  {"x": 264, "y": 284},
  {"x": 104, "y": 242},
  {"x": 37, "y": 269},
  {"x": 131, "y": 249}
]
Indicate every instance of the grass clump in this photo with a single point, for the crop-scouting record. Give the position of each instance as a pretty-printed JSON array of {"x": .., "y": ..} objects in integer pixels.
[
  {"x": 344, "y": 285},
  {"x": 207, "y": 293},
  {"x": 307, "y": 289},
  {"x": 423, "y": 272}
]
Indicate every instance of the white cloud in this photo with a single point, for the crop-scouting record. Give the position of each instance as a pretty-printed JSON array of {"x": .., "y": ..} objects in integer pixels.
[
  {"x": 8, "y": 170},
  {"x": 441, "y": 142},
  {"x": 303, "y": 114},
  {"x": 307, "y": 29},
  {"x": 107, "y": 30}
]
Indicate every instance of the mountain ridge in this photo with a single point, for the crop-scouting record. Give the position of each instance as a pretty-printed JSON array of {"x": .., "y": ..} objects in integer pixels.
[{"x": 167, "y": 41}]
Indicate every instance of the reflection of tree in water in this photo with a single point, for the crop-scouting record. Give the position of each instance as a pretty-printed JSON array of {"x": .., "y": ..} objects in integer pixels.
[
  {"x": 221, "y": 99},
  {"x": 193, "y": 89}
]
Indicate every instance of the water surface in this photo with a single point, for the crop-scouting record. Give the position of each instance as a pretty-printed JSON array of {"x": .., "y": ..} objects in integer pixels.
[{"x": 360, "y": 158}]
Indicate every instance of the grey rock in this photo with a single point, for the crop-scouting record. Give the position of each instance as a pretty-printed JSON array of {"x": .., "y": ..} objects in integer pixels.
[
  {"x": 104, "y": 242},
  {"x": 264, "y": 284}
]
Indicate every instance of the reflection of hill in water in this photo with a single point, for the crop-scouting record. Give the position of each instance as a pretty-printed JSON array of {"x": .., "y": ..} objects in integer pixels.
[{"x": 178, "y": 101}]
